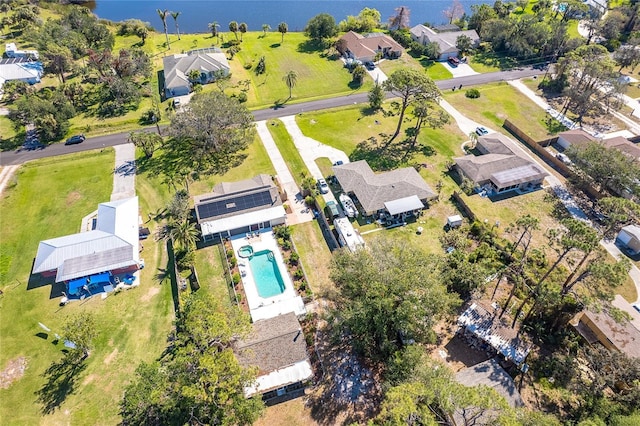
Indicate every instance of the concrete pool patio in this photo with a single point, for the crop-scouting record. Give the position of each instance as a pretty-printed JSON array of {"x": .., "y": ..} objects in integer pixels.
[{"x": 259, "y": 307}]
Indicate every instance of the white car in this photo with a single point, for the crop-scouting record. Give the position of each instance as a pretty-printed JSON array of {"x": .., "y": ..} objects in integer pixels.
[{"x": 322, "y": 186}]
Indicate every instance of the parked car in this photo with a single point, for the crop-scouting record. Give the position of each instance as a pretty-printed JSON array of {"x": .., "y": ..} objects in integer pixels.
[
  {"x": 176, "y": 103},
  {"x": 338, "y": 163},
  {"x": 322, "y": 186},
  {"x": 481, "y": 131},
  {"x": 332, "y": 209},
  {"x": 370, "y": 66},
  {"x": 453, "y": 61},
  {"x": 75, "y": 139},
  {"x": 563, "y": 157}
]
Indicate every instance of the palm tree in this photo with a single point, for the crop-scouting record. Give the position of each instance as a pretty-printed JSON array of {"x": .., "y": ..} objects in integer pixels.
[
  {"x": 184, "y": 234},
  {"x": 213, "y": 26},
  {"x": 282, "y": 29},
  {"x": 163, "y": 15},
  {"x": 233, "y": 27},
  {"x": 265, "y": 28},
  {"x": 243, "y": 29},
  {"x": 290, "y": 79},
  {"x": 175, "y": 19},
  {"x": 473, "y": 138}
]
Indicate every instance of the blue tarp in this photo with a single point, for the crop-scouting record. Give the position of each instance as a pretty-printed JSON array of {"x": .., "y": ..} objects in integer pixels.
[
  {"x": 100, "y": 278},
  {"x": 76, "y": 285}
]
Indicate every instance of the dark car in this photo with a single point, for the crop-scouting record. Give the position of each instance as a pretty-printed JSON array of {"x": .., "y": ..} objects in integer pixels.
[
  {"x": 481, "y": 131},
  {"x": 338, "y": 163},
  {"x": 454, "y": 61},
  {"x": 76, "y": 139},
  {"x": 370, "y": 66}
]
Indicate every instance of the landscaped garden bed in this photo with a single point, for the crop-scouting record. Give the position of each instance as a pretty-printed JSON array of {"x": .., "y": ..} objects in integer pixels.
[{"x": 292, "y": 260}]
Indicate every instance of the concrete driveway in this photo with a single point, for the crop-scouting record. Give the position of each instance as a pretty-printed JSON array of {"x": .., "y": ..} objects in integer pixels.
[
  {"x": 462, "y": 70},
  {"x": 310, "y": 149},
  {"x": 377, "y": 75}
]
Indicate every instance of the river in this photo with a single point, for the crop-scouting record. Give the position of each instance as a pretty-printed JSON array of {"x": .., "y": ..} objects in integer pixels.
[{"x": 195, "y": 15}]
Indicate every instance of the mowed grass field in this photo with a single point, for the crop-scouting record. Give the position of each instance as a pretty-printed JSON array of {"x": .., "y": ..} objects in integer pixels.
[{"x": 49, "y": 200}]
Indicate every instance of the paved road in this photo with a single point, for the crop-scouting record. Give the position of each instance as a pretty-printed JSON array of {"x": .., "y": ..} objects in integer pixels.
[{"x": 21, "y": 156}]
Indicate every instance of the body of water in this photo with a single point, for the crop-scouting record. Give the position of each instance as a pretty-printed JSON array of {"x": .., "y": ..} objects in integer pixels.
[{"x": 195, "y": 15}]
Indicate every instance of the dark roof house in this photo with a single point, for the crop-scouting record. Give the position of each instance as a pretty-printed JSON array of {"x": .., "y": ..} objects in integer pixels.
[
  {"x": 234, "y": 208},
  {"x": 396, "y": 191},
  {"x": 365, "y": 47},
  {"x": 278, "y": 348},
  {"x": 499, "y": 169}
]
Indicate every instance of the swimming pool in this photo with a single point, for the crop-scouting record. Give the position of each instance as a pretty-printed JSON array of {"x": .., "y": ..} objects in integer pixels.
[{"x": 266, "y": 274}]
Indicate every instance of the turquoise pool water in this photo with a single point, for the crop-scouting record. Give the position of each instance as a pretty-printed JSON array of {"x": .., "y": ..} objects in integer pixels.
[{"x": 266, "y": 274}]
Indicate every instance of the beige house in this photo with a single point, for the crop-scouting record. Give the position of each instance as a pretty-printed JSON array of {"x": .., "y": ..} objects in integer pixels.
[
  {"x": 622, "y": 336},
  {"x": 364, "y": 48}
]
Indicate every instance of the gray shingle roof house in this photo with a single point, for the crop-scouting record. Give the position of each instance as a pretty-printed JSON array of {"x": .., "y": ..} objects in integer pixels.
[
  {"x": 629, "y": 239},
  {"x": 111, "y": 246},
  {"x": 365, "y": 47},
  {"x": 278, "y": 348},
  {"x": 177, "y": 67},
  {"x": 499, "y": 169},
  {"x": 491, "y": 374},
  {"x": 234, "y": 208},
  {"x": 396, "y": 192},
  {"x": 446, "y": 40},
  {"x": 574, "y": 137}
]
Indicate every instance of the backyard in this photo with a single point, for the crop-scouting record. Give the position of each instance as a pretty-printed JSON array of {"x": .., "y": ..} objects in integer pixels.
[{"x": 132, "y": 326}]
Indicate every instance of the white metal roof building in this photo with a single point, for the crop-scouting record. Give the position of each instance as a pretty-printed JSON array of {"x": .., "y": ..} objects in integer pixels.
[
  {"x": 112, "y": 245},
  {"x": 348, "y": 236}
]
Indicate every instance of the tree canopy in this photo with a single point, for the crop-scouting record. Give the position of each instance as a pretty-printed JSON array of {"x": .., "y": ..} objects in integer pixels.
[
  {"x": 198, "y": 379},
  {"x": 391, "y": 289},
  {"x": 321, "y": 27},
  {"x": 211, "y": 132}
]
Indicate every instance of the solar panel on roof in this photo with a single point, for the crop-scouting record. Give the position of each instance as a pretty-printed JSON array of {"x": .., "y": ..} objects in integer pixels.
[{"x": 234, "y": 204}]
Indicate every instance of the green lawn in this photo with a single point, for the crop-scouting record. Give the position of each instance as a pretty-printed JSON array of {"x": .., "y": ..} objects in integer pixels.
[
  {"x": 315, "y": 257},
  {"x": 319, "y": 73},
  {"x": 499, "y": 101},
  {"x": 8, "y": 135},
  {"x": 288, "y": 150},
  {"x": 132, "y": 326},
  {"x": 435, "y": 70}
]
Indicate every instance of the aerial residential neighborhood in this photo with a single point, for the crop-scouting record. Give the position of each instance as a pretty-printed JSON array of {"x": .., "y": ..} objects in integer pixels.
[{"x": 250, "y": 213}]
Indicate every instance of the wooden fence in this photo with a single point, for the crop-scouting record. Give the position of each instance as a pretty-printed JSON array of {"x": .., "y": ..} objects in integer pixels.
[{"x": 466, "y": 210}]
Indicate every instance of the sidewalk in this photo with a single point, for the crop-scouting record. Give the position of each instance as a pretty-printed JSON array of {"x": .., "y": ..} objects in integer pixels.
[
  {"x": 310, "y": 149},
  {"x": 124, "y": 172},
  {"x": 300, "y": 213},
  {"x": 6, "y": 173}
]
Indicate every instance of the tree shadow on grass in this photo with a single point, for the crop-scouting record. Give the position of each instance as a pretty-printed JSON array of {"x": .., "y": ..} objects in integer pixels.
[
  {"x": 61, "y": 380},
  {"x": 378, "y": 156},
  {"x": 311, "y": 46},
  {"x": 494, "y": 59}
]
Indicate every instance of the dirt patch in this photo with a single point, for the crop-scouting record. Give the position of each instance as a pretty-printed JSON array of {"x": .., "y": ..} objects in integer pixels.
[
  {"x": 12, "y": 372},
  {"x": 152, "y": 292},
  {"x": 90, "y": 378},
  {"x": 111, "y": 356},
  {"x": 72, "y": 198},
  {"x": 291, "y": 413}
]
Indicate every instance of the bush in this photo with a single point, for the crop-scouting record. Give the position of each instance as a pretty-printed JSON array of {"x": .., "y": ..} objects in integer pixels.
[
  {"x": 149, "y": 116},
  {"x": 242, "y": 97},
  {"x": 286, "y": 244},
  {"x": 282, "y": 231},
  {"x": 294, "y": 258},
  {"x": 472, "y": 93},
  {"x": 248, "y": 66},
  {"x": 235, "y": 278},
  {"x": 185, "y": 259},
  {"x": 229, "y": 253},
  {"x": 309, "y": 200},
  {"x": 298, "y": 275},
  {"x": 232, "y": 262}
]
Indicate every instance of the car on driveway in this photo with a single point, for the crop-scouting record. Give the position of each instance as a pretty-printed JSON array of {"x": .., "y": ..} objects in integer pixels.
[
  {"x": 453, "y": 61},
  {"x": 75, "y": 139},
  {"x": 322, "y": 186},
  {"x": 370, "y": 66},
  {"x": 338, "y": 163},
  {"x": 481, "y": 131}
]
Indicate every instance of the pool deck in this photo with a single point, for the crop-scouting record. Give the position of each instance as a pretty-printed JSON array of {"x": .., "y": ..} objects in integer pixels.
[{"x": 259, "y": 307}]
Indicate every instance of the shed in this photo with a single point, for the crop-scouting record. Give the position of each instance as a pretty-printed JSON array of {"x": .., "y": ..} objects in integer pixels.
[
  {"x": 629, "y": 238},
  {"x": 454, "y": 221}
]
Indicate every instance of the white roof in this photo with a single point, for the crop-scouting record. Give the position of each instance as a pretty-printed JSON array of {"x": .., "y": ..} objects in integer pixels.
[
  {"x": 177, "y": 67},
  {"x": 17, "y": 72},
  {"x": 351, "y": 236},
  {"x": 228, "y": 223},
  {"x": 285, "y": 376},
  {"x": 112, "y": 245},
  {"x": 402, "y": 205},
  {"x": 454, "y": 219},
  {"x": 632, "y": 230}
]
